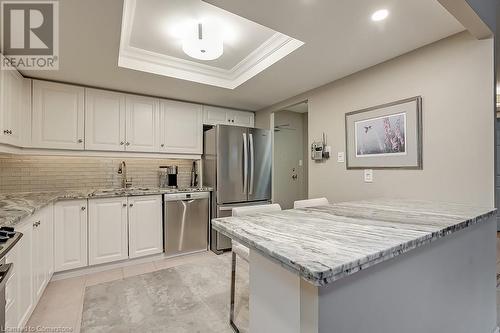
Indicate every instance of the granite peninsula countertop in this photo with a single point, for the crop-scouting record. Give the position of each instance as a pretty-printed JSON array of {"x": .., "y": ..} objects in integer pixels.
[
  {"x": 16, "y": 206},
  {"x": 326, "y": 243}
]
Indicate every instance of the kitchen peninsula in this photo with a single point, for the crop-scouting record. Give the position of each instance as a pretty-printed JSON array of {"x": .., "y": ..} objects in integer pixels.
[{"x": 370, "y": 266}]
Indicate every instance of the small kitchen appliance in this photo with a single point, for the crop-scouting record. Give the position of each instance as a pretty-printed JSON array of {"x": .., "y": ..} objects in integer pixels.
[{"x": 168, "y": 176}]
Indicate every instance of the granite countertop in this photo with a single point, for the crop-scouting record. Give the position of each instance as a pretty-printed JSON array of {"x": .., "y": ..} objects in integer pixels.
[
  {"x": 326, "y": 243},
  {"x": 16, "y": 206}
]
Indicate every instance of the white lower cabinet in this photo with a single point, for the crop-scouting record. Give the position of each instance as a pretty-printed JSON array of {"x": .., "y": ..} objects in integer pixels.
[
  {"x": 55, "y": 239},
  {"x": 108, "y": 239},
  {"x": 31, "y": 271},
  {"x": 145, "y": 225},
  {"x": 70, "y": 235}
]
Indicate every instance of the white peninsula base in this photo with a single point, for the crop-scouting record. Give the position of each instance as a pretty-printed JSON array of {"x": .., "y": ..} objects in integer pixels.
[{"x": 447, "y": 286}]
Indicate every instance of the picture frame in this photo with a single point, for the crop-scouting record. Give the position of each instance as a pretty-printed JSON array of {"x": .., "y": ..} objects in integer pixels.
[{"x": 387, "y": 136}]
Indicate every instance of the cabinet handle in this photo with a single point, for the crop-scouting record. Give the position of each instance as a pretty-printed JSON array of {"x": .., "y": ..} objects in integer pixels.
[
  {"x": 131, "y": 205},
  {"x": 127, "y": 144},
  {"x": 83, "y": 207},
  {"x": 124, "y": 205},
  {"x": 9, "y": 131},
  {"x": 162, "y": 145},
  {"x": 122, "y": 143},
  {"x": 80, "y": 140},
  {"x": 232, "y": 120},
  {"x": 5, "y": 131}
]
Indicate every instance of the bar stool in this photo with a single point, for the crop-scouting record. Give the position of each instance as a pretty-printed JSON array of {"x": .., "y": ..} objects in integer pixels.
[
  {"x": 242, "y": 251},
  {"x": 310, "y": 203}
]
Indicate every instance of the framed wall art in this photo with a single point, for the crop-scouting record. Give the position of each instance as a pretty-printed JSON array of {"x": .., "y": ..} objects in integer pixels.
[{"x": 385, "y": 136}]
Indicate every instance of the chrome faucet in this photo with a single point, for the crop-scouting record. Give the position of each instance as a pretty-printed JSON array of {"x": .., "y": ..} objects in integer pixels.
[{"x": 122, "y": 170}]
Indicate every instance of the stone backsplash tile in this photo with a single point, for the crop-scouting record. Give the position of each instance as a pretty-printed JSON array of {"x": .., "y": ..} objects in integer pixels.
[{"x": 20, "y": 173}]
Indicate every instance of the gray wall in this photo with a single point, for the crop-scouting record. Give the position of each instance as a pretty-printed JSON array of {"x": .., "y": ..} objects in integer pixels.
[{"x": 455, "y": 78}]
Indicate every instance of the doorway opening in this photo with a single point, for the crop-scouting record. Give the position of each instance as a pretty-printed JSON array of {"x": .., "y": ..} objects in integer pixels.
[{"x": 290, "y": 154}]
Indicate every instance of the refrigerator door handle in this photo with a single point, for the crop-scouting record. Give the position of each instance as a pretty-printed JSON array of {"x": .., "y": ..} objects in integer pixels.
[
  {"x": 245, "y": 163},
  {"x": 252, "y": 163}
]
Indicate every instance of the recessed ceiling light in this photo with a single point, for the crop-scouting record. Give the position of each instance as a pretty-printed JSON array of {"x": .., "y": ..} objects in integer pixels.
[{"x": 380, "y": 15}]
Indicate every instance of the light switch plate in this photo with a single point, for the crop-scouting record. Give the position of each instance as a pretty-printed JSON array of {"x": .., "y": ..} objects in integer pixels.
[
  {"x": 368, "y": 175},
  {"x": 340, "y": 157},
  {"x": 300, "y": 163}
]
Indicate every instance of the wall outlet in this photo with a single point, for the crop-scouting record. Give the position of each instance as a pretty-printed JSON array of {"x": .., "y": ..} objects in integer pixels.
[
  {"x": 300, "y": 163},
  {"x": 340, "y": 157},
  {"x": 368, "y": 175}
]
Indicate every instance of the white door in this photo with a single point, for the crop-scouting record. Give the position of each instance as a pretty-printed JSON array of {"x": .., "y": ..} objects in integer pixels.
[
  {"x": 39, "y": 254},
  {"x": 24, "y": 270},
  {"x": 242, "y": 118},
  {"x": 70, "y": 234},
  {"x": 142, "y": 123},
  {"x": 49, "y": 240},
  {"x": 12, "y": 107},
  {"x": 104, "y": 120},
  {"x": 58, "y": 116},
  {"x": 108, "y": 239},
  {"x": 145, "y": 225},
  {"x": 181, "y": 128},
  {"x": 213, "y": 115},
  {"x": 11, "y": 288}
]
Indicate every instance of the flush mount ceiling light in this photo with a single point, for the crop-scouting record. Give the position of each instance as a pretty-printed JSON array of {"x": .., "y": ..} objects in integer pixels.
[
  {"x": 164, "y": 37},
  {"x": 380, "y": 15},
  {"x": 203, "y": 42}
]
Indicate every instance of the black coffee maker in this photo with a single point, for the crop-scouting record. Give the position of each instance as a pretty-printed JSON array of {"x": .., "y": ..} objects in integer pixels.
[{"x": 168, "y": 176}]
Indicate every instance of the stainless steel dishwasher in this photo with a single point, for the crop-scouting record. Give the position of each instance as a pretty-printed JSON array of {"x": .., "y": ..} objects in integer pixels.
[{"x": 185, "y": 222}]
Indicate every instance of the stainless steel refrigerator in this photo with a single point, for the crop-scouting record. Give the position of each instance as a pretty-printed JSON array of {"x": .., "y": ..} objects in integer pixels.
[{"x": 237, "y": 164}]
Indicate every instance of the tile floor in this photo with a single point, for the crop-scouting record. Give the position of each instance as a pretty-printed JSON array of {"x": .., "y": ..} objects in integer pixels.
[{"x": 61, "y": 304}]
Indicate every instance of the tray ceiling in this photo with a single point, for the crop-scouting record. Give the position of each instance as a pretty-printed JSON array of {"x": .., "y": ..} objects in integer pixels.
[{"x": 151, "y": 41}]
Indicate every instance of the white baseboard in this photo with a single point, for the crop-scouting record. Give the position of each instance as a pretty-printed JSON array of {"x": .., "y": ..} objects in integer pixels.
[{"x": 119, "y": 264}]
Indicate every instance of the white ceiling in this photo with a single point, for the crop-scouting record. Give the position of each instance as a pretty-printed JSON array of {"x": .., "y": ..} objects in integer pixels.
[
  {"x": 151, "y": 41},
  {"x": 339, "y": 37},
  {"x": 156, "y": 21}
]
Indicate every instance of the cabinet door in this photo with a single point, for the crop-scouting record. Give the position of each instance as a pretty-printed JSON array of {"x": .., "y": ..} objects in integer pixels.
[
  {"x": 242, "y": 118},
  {"x": 11, "y": 108},
  {"x": 49, "y": 240},
  {"x": 70, "y": 234},
  {"x": 181, "y": 128},
  {"x": 145, "y": 225},
  {"x": 24, "y": 271},
  {"x": 213, "y": 115},
  {"x": 104, "y": 120},
  {"x": 58, "y": 116},
  {"x": 108, "y": 240},
  {"x": 11, "y": 288},
  {"x": 142, "y": 123},
  {"x": 39, "y": 255}
]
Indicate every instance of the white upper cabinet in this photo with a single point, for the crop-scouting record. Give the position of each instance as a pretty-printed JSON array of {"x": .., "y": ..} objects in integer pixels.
[
  {"x": 70, "y": 234},
  {"x": 12, "y": 106},
  {"x": 142, "y": 123},
  {"x": 213, "y": 115},
  {"x": 242, "y": 118},
  {"x": 108, "y": 232},
  {"x": 104, "y": 120},
  {"x": 145, "y": 225},
  {"x": 58, "y": 116},
  {"x": 181, "y": 128}
]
